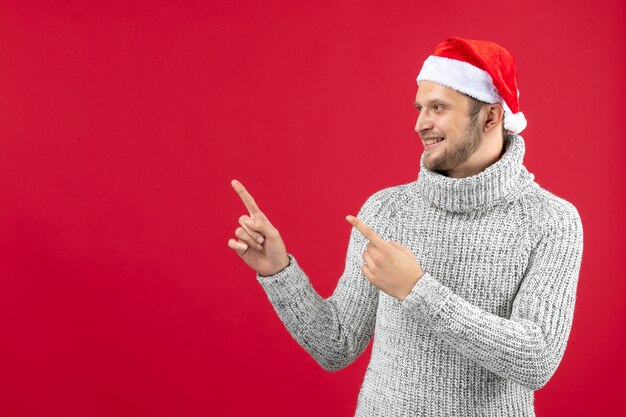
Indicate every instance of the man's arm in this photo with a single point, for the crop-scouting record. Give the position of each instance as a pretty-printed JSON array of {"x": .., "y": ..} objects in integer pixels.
[
  {"x": 527, "y": 347},
  {"x": 336, "y": 330},
  {"x": 326, "y": 328}
]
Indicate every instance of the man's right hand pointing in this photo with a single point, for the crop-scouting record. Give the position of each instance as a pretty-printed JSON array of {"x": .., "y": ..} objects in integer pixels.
[{"x": 259, "y": 245}]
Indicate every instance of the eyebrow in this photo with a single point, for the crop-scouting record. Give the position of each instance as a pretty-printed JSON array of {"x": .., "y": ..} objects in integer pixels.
[{"x": 434, "y": 100}]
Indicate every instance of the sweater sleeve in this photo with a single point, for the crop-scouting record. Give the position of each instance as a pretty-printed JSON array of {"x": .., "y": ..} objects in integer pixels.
[
  {"x": 528, "y": 346},
  {"x": 336, "y": 330}
]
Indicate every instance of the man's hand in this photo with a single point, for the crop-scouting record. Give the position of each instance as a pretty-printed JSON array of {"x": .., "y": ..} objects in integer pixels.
[
  {"x": 389, "y": 266},
  {"x": 260, "y": 245}
]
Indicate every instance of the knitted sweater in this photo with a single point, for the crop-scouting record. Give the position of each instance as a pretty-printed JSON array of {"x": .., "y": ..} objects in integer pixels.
[{"x": 488, "y": 322}]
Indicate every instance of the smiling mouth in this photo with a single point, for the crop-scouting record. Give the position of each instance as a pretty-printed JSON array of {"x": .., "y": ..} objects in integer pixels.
[{"x": 432, "y": 142}]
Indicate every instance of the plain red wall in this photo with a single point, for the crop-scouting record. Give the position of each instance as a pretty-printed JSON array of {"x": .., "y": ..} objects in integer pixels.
[{"x": 122, "y": 126}]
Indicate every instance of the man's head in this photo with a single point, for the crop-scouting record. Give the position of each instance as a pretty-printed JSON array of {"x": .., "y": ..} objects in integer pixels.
[
  {"x": 465, "y": 90},
  {"x": 461, "y": 135}
]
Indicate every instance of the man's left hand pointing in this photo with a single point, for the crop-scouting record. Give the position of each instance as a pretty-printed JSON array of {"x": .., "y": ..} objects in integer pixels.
[{"x": 389, "y": 266}]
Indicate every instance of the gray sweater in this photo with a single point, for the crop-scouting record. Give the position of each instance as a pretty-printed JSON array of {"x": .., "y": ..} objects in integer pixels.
[{"x": 488, "y": 322}]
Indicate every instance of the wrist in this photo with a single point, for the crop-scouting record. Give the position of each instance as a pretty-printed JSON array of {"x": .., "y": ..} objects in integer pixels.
[
  {"x": 411, "y": 285},
  {"x": 286, "y": 262}
]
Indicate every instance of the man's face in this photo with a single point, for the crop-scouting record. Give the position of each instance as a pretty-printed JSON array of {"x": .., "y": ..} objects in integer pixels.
[{"x": 449, "y": 135}]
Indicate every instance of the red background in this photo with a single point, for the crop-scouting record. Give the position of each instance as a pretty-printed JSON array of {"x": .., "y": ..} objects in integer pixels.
[{"x": 123, "y": 124}]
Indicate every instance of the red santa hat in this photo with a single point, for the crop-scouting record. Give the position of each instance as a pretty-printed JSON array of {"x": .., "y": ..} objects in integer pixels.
[{"x": 481, "y": 69}]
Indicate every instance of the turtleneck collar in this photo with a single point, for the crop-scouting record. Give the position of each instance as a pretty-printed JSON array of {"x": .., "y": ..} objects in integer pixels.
[{"x": 499, "y": 183}]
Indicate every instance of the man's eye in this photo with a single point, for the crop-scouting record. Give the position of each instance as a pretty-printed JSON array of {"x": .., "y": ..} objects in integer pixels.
[{"x": 438, "y": 107}]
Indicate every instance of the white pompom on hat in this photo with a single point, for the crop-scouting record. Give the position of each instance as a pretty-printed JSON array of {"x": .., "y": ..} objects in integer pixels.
[{"x": 483, "y": 70}]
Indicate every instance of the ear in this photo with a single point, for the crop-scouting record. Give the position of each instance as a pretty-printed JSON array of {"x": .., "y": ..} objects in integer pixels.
[{"x": 495, "y": 115}]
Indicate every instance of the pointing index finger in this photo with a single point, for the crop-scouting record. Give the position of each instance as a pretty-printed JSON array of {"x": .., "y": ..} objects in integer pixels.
[
  {"x": 366, "y": 231},
  {"x": 245, "y": 197}
]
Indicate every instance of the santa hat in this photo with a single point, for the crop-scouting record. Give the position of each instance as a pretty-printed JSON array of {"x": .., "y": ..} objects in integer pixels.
[{"x": 481, "y": 69}]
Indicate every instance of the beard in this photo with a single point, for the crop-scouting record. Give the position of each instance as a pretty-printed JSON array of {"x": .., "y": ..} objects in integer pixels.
[{"x": 451, "y": 158}]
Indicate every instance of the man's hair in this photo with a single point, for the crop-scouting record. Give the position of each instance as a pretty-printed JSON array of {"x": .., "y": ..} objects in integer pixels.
[{"x": 474, "y": 108}]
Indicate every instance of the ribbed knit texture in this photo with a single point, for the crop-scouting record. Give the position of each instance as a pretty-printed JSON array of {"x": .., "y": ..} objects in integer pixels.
[{"x": 488, "y": 322}]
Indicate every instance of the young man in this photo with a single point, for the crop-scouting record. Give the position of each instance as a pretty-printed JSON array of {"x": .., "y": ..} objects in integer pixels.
[{"x": 466, "y": 277}]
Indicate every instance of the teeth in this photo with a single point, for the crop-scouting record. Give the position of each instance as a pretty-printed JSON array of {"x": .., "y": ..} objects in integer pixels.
[{"x": 432, "y": 141}]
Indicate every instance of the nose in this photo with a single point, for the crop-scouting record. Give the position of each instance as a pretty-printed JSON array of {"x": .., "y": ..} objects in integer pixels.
[{"x": 423, "y": 122}]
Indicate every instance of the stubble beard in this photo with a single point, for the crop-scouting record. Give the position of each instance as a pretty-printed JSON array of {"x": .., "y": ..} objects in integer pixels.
[{"x": 452, "y": 158}]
